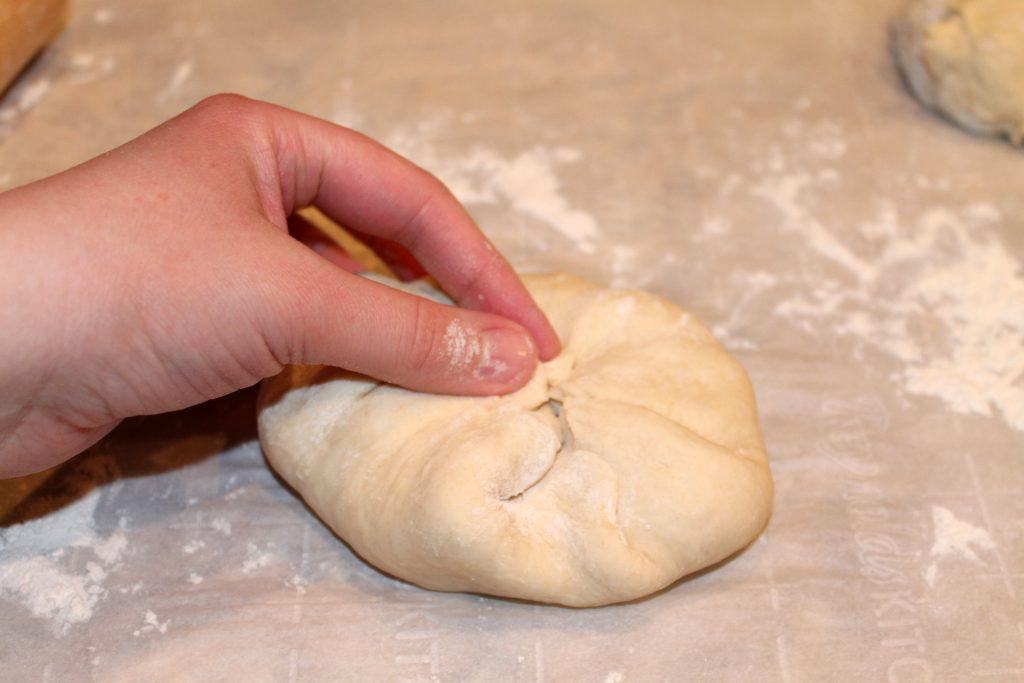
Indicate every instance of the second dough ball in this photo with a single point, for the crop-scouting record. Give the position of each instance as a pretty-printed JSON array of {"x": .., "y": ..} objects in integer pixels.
[{"x": 965, "y": 58}]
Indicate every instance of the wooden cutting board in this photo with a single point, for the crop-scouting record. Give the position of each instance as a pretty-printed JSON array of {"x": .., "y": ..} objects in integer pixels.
[{"x": 25, "y": 27}]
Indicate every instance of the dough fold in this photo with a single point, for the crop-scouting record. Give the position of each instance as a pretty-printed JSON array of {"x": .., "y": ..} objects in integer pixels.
[{"x": 631, "y": 460}]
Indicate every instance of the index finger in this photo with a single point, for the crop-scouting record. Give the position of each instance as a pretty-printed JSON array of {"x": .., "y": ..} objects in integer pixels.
[{"x": 363, "y": 185}]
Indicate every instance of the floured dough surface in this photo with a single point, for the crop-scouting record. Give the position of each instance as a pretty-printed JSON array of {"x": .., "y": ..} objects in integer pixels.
[
  {"x": 631, "y": 460},
  {"x": 965, "y": 58}
]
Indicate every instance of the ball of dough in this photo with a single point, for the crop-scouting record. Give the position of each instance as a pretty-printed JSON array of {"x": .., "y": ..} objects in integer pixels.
[
  {"x": 630, "y": 460},
  {"x": 965, "y": 58}
]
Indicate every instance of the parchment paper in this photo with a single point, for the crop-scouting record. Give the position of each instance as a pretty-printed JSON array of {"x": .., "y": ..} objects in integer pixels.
[{"x": 757, "y": 162}]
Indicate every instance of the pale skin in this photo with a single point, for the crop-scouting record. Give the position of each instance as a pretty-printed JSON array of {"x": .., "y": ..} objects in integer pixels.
[{"x": 163, "y": 274}]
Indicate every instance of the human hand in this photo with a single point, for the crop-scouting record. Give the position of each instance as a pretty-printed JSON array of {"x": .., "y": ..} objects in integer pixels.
[{"x": 162, "y": 274}]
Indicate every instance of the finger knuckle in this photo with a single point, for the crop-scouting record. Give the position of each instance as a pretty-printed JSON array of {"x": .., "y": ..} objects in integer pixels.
[
  {"x": 426, "y": 337},
  {"x": 228, "y": 115},
  {"x": 224, "y": 105}
]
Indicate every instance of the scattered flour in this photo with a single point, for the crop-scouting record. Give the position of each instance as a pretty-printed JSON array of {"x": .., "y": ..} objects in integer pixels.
[
  {"x": 193, "y": 546},
  {"x": 526, "y": 181},
  {"x": 954, "y": 538},
  {"x": 150, "y": 624},
  {"x": 110, "y": 548},
  {"x": 194, "y": 578},
  {"x": 255, "y": 559},
  {"x": 24, "y": 97},
  {"x": 222, "y": 525},
  {"x": 32, "y": 93},
  {"x": 37, "y": 571},
  {"x": 298, "y": 583},
  {"x": 49, "y": 592},
  {"x": 784, "y": 192},
  {"x": 181, "y": 74},
  {"x": 103, "y": 15},
  {"x": 938, "y": 290},
  {"x": 943, "y": 295},
  {"x": 88, "y": 67}
]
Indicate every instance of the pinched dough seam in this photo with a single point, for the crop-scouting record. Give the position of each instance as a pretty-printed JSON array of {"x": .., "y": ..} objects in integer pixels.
[{"x": 740, "y": 453}]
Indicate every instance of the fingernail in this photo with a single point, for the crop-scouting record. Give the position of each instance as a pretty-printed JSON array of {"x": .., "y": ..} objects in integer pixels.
[{"x": 505, "y": 354}]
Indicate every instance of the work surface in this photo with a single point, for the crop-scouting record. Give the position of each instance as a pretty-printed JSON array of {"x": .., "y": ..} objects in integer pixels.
[{"x": 760, "y": 164}]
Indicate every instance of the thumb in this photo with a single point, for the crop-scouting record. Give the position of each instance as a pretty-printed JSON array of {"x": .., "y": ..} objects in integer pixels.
[{"x": 370, "y": 328}]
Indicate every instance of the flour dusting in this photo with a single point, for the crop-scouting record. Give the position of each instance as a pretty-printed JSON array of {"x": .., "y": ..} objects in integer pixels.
[
  {"x": 934, "y": 288},
  {"x": 784, "y": 192},
  {"x": 37, "y": 571},
  {"x": 255, "y": 558},
  {"x": 222, "y": 525},
  {"x": 527, "y": 181},
  {"x": 32, "y": 93},
  {"x": 103, "y": 15},
  {"x": 954, "y": 538},
  {"x": 193, "y": 546},
  {"x": 944, "y": 296},
  {"x": 23, "y": 97},
  {"x": 461, "y": 345},
  {"x": 181, "y": 74},
  {"x": 49, "y": 592},
  {"x": 151, "y": 624}
]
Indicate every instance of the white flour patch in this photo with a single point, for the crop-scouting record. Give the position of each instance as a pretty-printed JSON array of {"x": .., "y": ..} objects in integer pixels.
[
  {"x": 943, "y": 295},
  {"x": 95, "y": 572},
  {"x": 937, "y": 291},
  {"x": 82, "y": 60},
  {"x": 461, "y": 345},
  {"x": 954, "y": 538},
  {"x": 70, "y": 526},
  {"x": 37, "y": 571},
  {"x": 489, "y": 366},
  {"x": 222, "y": 525},
  {"x": 110, "y": 549},
  {"x": 255, "y": 559},
  {"x": 193, "y": 546},
  {"x": 526, "y": 181},
  {"x": 103, "y": 15},
  {"x": 784, "y": 192},
  {"x": 42, "y": 586},
  {"x": 194, "y": 578},
  {"x": 24, "y": 97},
  {"x": 33, "y": 93},
  {"x": 181, "y": 74},
  {"x": 86, "y": 66},
  {"x": 150, "y": 624}
]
